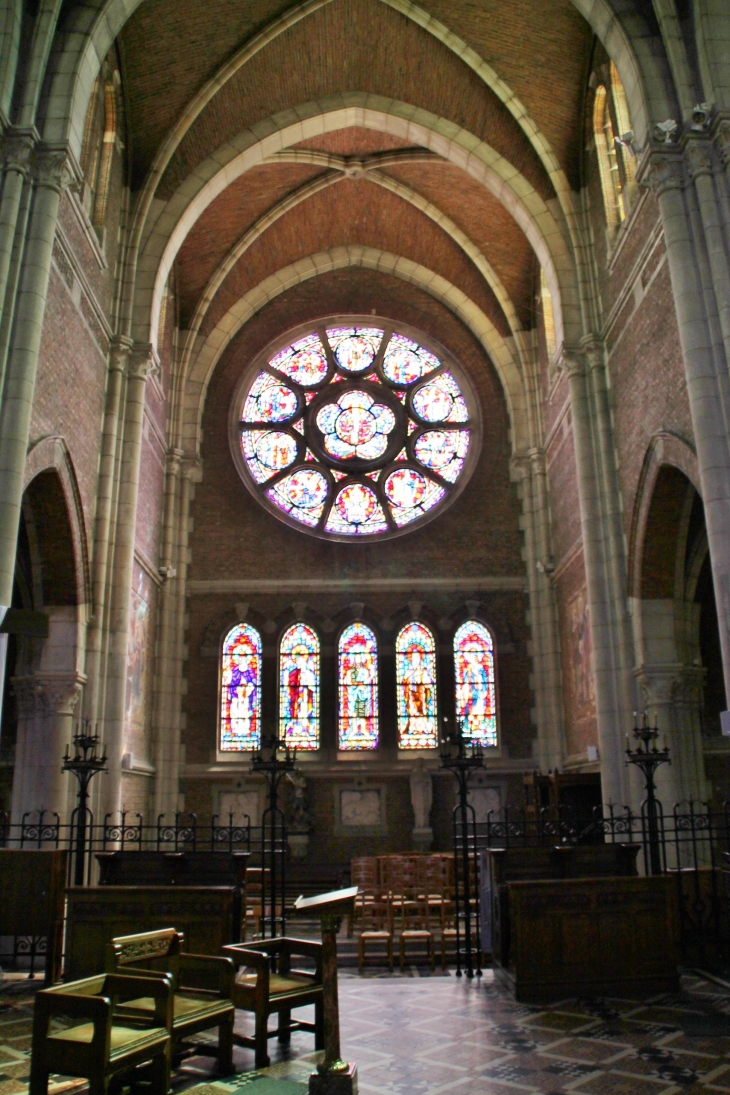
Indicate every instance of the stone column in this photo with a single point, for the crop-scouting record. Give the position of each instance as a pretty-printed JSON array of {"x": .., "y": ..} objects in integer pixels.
[
  {"x": 17, "y": 151},
  {"x": 607, "y": 667},
  {"x": 142, "y": 361},
  {"x": 53, "y": 170},
  {"x": 672, "y": 693},
  {"x": 46, "y": 707},
  {"x": 705, "y": 364},
  {"x": 531, "y": 469}
]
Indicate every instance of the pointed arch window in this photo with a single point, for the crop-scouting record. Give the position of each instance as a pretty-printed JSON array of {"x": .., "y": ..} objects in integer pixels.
[
  {"x": 358, "y": 688},
  {"x": 612, "y": 132},
  {"x": 100, "y": 135},
  {"x": 299, "y": 687},
  {"x": 415, "y": 666},
  {"x": 476, "y": 701},
  {"x": 240, "y": 717}
]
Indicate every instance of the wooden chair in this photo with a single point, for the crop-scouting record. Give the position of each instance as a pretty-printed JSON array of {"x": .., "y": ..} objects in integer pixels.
[
  {"x": 377, "y": 929},
  {"x": 419, "y": 939},
  {"x": 78, "y": 1031},
  {"x": 271, "y": 985},
  {"x": 195, "y": 1008}
]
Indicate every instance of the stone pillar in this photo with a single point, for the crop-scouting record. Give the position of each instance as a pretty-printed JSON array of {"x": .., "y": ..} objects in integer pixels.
[
  {"x": 698, "y": 306},
  {"x": 672, "y": 695},
  {"x": 98, "y": 623},
  {"x": 607, "y": 667},
  {"x": 46, "y": 707},
  {"x": 531, "y": 469},
  {"x": 142, "y": 361},
  {"x": 17, "y": 151},
  {"x": 53, "y": 170}
]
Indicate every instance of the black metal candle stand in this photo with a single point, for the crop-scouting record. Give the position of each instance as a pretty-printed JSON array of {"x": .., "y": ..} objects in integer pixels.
[
  {"x": 84, "y": 764},
  {"x": 647, "y": 758},
  {"x": 274, "y": 768}
]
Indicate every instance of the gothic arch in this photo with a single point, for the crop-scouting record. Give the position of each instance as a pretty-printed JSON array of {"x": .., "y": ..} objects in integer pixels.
[{"x": 209, "y": 349}]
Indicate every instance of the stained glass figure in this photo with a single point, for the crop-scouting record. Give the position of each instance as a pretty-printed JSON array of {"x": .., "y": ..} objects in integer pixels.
[
  {"x": 304, "y": 361},
  {"x": 440, "y": 400},
  {"x": 269, "y": 400},
  {"x": 240, "y": 725},
  {"x": 415, "y": 667},
  {"x": 356, "y": 511},
  {"x": 268, "y": 452},
  {"x": 299, "y": 687},
  {"x": 411, "y": 494},
  {"x": 444, "y": 451},
  {"x": 302, "y": 495},
  {"x": 354, "y": 347},
  {"x": 405, "y": 361},
  {"x": 358, "y": 688},
  {"x": 476, "y": 708},
  {"x": 355, "y": 426}
]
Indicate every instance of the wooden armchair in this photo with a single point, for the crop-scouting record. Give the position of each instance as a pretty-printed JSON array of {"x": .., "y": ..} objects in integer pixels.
[
  {"x": 78, "y": 1031},
  {"x": 273, "y": 986},
  {"x": 202, "y": 986}
]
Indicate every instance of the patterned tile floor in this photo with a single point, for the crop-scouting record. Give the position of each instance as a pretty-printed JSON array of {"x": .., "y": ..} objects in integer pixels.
[{"x": 433, "y": 1035}]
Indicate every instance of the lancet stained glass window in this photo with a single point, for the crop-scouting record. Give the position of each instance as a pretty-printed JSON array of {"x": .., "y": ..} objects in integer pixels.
[
  {"x": 299, "y": 687},
  {"x": 476, "y": 708},
  {"x": 358, "y": 679},
  {"x": 415, "y": 667},
  {"x": 354, "y": 429},
  {"x": 240, "y": 725}
]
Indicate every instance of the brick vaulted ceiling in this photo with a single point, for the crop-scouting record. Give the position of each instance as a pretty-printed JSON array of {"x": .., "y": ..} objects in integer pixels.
[{"x": 417, "y": 206}]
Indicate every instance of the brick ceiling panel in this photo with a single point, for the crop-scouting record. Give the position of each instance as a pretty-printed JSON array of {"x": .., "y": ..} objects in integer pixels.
[
  {"x": 354, "y": 141},
  {"x": 542, "y": 50},
  {"x": 355, "y": 45},
  {"x": 484, "y": 220},
  {"x": 194, "y": 39},
  {"x": 353, "y": 212},
  {"x": 227, "y": 219}
]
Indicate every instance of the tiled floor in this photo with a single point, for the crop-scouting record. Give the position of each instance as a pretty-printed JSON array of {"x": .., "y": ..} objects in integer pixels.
[{"x": 429, "y": 1035}]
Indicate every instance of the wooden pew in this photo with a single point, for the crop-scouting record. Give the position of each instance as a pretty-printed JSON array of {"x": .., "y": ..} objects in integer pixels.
[
  {"x": 32, "y": 886},
  {"x": 208, "y": 916},
  {"x": 586, "y": 937}
]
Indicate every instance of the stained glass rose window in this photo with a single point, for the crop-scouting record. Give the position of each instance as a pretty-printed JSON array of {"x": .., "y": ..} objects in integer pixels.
[{"x": 354, "y": 429}]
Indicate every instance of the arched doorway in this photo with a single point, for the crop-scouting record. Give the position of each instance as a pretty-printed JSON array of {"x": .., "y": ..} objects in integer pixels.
[
  {"x": 42, "y": 675},
  {"x": 679, "y": 666}
]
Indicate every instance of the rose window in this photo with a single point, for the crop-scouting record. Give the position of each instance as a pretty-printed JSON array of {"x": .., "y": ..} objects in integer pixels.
[{"x": 355, "y": 429}]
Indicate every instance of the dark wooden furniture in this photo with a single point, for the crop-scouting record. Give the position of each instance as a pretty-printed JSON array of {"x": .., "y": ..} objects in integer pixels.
[
  {"x": 586, "y": 937},
  {"x": 207, "y": 915},
  {"x": 32, "y": 885},
  {"x": 267, "y": 984},
  {"x": 196, "y": 1006},
  {"x": 98, "y": 1043},
  {"x": 159, "y": 868}
]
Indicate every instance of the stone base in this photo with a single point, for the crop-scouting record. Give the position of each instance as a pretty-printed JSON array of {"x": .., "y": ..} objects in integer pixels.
[
  {"x": 334, "y": 1083},
  {"x": 422, "y": 839}
]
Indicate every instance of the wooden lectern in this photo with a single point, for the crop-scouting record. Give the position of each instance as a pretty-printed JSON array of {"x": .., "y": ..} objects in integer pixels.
[{"x": 333, "y": 1076}]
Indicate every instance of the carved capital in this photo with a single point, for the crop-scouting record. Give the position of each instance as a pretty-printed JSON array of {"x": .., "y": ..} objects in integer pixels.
[
  {"x": 119, "y": 350},
  {"x": 671, "y": 684},
  {"x": 174, "y": 461},
  {"x": 192, "y": 469},
  {"x": 143, "y": 361},
  {"x": 572, "y": 361},
  {"x": 18, "y": 148},
  {"x": 698, "y": 158},
  {"x": 55, "y": 168},
  {"x": 662, "y": 171},
  {"x": 46, "y": 695},
  {"x": 722, "y": 141}
]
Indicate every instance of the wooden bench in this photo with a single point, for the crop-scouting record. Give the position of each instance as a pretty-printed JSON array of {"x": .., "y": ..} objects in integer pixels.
[
  {"x": 274, "y": 986},
  {"x": 32, "y": 884},
  {"x": 196, "y": 1007},
  {"x": 94, "y": 915},
  {"x": 78, "y": 1031}
]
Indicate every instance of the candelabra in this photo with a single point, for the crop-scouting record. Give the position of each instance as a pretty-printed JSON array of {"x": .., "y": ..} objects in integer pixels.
[
  {"x": 84, "y": 764},
  {"x": 463, "y": 764},
  {"x": 648, "y": 759},
  {"x": 273, "y": 768}
]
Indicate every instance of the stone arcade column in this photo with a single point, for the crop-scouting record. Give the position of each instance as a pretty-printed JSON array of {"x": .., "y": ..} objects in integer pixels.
[
  {"x": 672, "y": 694},
  {"x": 531, "y": 470},
  {"x": 607, "y": 649},
  {"x": 694, "y": 200},
  {"x": 142, "y": 361},
  {"x": 46, "y": 707}
]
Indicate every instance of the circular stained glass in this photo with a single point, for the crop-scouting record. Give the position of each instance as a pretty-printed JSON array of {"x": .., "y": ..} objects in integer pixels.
[{"x": 349, "y": 429}]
